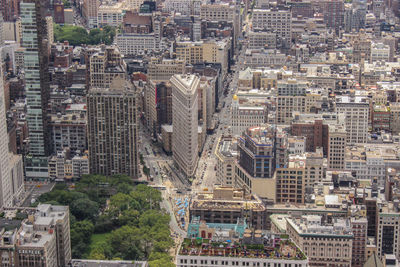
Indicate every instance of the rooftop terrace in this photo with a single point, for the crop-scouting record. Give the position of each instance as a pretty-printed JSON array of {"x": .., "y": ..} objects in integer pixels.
[
  {"x": 276, "y": 249},
  {"x": 227, "y": 199}
]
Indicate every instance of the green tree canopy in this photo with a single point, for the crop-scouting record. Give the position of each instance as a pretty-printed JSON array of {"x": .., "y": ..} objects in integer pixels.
[
  {"x": 84, "y": 209},
  {"x": 129, "y": 216},
  {"x": 158, "y": 259},
  {"x": 80, "y": 237},
  {"x": 77, "y": 35}
]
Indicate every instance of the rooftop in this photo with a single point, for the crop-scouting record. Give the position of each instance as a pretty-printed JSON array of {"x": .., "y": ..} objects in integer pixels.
[
  {"x": 297, "y": 161},
  {"x": 261, "y": 135},
  {"x": 314, "y": 225},
  {"x": 266, "y": 248},
  {"x": 220, "y": 231},
  {"x": 187, "y": 82},
  {"x": 279, "y": 220},
  {"x": 349, "y": 99},
  {"x": 107, "y": 263},
  {"x": 225, "y": 198},
  {"x": 68, "y": 118},
  {"x": 226, "y": 148}
]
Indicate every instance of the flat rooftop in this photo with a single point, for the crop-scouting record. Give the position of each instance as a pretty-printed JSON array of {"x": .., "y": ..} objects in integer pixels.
[
  {"x": 279, "y": 249},
  {"x": 228, "y": 200},
  {"x": 311, "y": 225},
  {"x": 106, "y": 263}
]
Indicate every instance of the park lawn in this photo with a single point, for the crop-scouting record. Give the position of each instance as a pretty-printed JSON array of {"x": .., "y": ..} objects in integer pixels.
[{"x": 97, "y": 238}]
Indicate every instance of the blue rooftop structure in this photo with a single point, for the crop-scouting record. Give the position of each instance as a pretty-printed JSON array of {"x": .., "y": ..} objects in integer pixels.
[{"x": 194, "y": 226}]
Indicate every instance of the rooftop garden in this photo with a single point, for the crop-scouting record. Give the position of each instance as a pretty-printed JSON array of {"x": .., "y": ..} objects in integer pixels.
[{"x": 281, "y": 249}]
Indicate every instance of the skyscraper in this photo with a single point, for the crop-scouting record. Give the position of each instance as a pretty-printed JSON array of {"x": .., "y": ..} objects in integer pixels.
[
  {"x": 34, "y": 34},
  {"x": 185, "y": 122},
  {"x": 5, "y": 182},
  {"x": 11, "y": 167},
  {"x": 113, "y": 129},
  {"x": 104, "y": 66}
]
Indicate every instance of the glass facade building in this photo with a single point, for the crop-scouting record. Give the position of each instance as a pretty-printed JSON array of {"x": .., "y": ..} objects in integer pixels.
[{"x": 34, "y": 34}]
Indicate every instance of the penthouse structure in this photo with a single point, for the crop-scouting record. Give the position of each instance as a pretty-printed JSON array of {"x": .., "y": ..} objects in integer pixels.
[
  {"x": 324, "y": 209},
  {"x": 322, "y": 242},
  {"x": 226, "y": 205}
]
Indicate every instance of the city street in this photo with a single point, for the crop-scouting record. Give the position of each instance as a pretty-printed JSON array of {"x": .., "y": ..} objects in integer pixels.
[
  {"x": 34, "y": 189},
  {"x": 78, "y": 19},
  {"x": 206, "y": 177},
  {"x": 162, "y": 171}
]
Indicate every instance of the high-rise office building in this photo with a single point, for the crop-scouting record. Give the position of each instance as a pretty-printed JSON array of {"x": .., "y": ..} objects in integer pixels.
[
  {"x": 104, "y": 66},
  {"x": 359, "y": 226},
  {"x": 388, "y": 232},
  {"x": 113, "y": 129},
  {"x": 255, "y": 167},
  {"x": 336, "y": 147},
  {"x": 356, "y": 110},
  {"x": 34, "y": 40},
  {"x": 185, "y": 122},
  {"x": 11, "y": 167}
]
